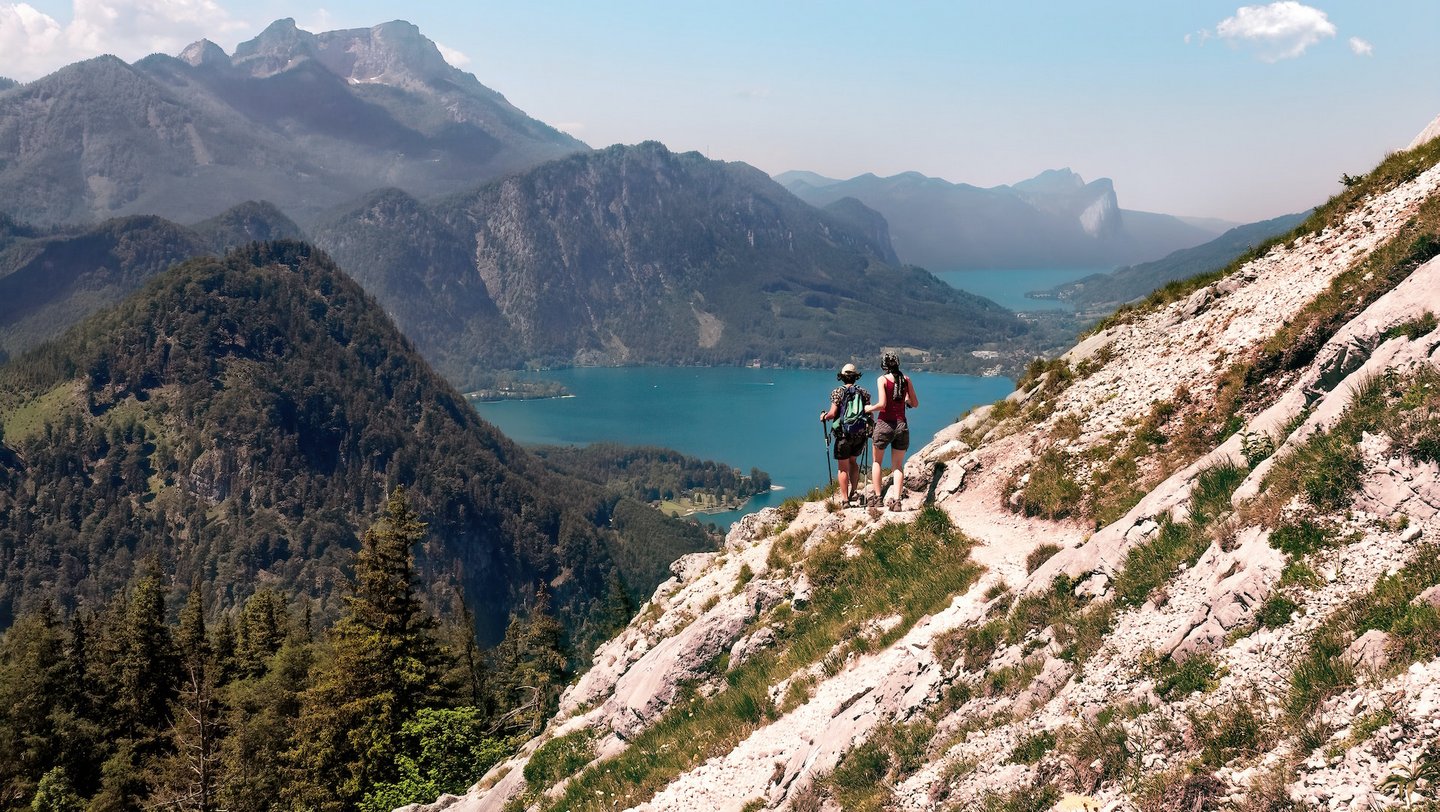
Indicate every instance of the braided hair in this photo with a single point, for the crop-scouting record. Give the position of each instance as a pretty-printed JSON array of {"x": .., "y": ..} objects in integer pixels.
[{"x": 891, "y": 364}]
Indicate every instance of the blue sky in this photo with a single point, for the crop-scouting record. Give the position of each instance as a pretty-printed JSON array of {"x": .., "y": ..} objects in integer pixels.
[{"x": 1199, "y": 108}]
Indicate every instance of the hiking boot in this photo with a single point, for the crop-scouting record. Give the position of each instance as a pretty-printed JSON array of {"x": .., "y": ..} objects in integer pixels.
[
  {"x": 893, "y": 505},
  {"x": 873, "y": 500}
]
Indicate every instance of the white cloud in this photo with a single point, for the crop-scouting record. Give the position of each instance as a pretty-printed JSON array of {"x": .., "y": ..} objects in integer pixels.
[
  {"x": 1360, "y": 47},
  {"x": 1282, "y": 30},
  {"x": 456, "y": 58},
  {"x": 33, "y": 43}
]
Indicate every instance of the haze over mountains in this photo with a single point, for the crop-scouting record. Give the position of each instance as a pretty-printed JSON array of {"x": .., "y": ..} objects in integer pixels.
[
  {"x": 1054, "y": 219},
  {"x": 306, "y": 121}
]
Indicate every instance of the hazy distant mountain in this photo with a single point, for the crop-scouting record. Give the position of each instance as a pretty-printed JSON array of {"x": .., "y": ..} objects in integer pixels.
[
  {"x": 1110, "y": 290},
  {"x": 636, "y": 254},
  {"x": 306, "y": 121},
  {"x": 52, "y": 280},
  {"x": 1055, "y": 219}
]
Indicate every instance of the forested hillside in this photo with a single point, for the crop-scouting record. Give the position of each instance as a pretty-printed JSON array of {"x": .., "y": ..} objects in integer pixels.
[{"x": 239, "y": 420}]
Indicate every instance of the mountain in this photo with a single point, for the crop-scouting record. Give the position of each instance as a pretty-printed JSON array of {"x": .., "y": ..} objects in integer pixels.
[
  {"x": 1190, "y": 564},
  {"x": 1105, "y": 292},
  {"x": 307, "y": 121},
  {"x": 52, "y": 279},
  {"x": 238, "y": 421},
  {"x": 635, "y": 254},
  {"x": 1054, "y": 219}
]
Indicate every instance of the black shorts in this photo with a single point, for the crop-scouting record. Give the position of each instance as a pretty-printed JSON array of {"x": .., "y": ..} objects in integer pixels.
[
  {"x": 897, "y": 437},
  {"x": 849, "y": 447}
]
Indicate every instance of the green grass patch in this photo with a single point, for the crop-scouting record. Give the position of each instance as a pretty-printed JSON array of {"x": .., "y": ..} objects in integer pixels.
[
  {"x": 29, "y": 418},
  {"x": 1276, "y": 611},
  {"x": 893, "y": 753},
  {"x": 1178, "y": 680},
  {"x": 1050, "y": 492},
  {"x": 1033, "y": 748},
  {"x": 559, "y": 758},
  {"x": 913, "y": 569},
  {"x": 1301, "y": 537},
  {"x": 1038, "y": 797},
  {"x": 1040, "y": 555},
  {"x": 1231, "y": 732}
]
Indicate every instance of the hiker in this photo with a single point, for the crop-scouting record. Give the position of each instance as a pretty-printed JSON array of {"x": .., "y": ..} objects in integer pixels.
[
  {"x": 850, "y": 428},
  {"x": 895, "y": 392}
]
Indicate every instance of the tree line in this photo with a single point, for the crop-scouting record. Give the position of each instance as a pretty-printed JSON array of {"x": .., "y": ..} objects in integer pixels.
[{"x": 124, "y": 708}]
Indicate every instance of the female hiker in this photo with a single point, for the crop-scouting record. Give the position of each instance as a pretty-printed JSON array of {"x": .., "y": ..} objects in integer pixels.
[{"x": 895, "y": 392}]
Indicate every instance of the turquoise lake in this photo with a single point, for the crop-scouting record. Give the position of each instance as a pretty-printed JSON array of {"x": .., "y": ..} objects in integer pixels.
[
  {"x": 765, "y": 418},
  {"x": 1007, "y": 287}
]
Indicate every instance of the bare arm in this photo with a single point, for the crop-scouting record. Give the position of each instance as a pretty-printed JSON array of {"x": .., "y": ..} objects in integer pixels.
[
  {"x": 882, "y": 399},
  {"x": 911, "y": 399}
]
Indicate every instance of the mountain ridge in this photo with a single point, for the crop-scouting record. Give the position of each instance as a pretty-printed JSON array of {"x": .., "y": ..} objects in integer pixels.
[
  {"x": 276, "y": 121},
  {"x": 1053, "y": 219},
  {"x": 635, "y": 254}
]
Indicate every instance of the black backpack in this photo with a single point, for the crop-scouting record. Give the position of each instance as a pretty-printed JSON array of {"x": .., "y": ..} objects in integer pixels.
[{"x": 852, "y": 420}]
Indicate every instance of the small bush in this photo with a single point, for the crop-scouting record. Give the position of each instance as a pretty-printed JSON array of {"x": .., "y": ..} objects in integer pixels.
[
  {"x": 559, "y": 758},
  {"x": 1301, "y": 538},
  {"x": 1229, "y": 733},
  {"x": 1039, "y": 556},
  {"x": 1197, "y": 673},
  {"x": 1276, "y": 611},
  {"x": 1033, "y": 748},
  {"x": 1050, "y": 492}
]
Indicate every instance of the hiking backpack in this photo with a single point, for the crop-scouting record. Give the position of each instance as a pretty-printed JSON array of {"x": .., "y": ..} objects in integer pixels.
[{"x": 852, "y": 420}]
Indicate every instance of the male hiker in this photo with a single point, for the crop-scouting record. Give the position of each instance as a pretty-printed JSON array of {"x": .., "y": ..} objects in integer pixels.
[{"x": 850, "y": 428}]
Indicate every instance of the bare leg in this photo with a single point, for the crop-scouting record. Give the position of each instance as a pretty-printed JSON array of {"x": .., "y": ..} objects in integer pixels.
[
  {"x": 897, "y": 460},
  {"x": 844, "y": 477},
  {"x": 875, "y": 469}
]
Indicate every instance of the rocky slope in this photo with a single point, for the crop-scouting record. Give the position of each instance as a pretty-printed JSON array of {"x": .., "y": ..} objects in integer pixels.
[
  {"x": 1054, "y": 219},
  {"x": 1192, "y": 564}
]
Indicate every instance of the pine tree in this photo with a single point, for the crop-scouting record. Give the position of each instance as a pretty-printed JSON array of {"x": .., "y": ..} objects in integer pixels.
[
  {"x": 187, "y": 777},
  {"x": 134, "y": 665},
  {"x": 381, "y": 667},
  {"x": 31, "y": 691},
  {"x": 529, "y": 667}
]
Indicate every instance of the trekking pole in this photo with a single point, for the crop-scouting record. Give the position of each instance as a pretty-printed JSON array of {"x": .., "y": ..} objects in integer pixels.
[{"x": 829, "y": 469}]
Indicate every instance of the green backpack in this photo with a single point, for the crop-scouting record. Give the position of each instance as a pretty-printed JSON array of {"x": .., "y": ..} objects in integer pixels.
[{"x": 852, "y": 420}]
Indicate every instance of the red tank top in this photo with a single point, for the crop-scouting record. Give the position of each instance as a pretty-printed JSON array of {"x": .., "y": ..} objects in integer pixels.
[{"x": 894, "y": 411}]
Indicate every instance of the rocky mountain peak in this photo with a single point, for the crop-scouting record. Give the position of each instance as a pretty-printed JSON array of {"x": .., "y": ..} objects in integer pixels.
[
  {"x": 280, "y": 46},
  {"x": 204, "y": 53},
  {"x": 393, "y": 53},
  {"x": 1051, "y": 181}
]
